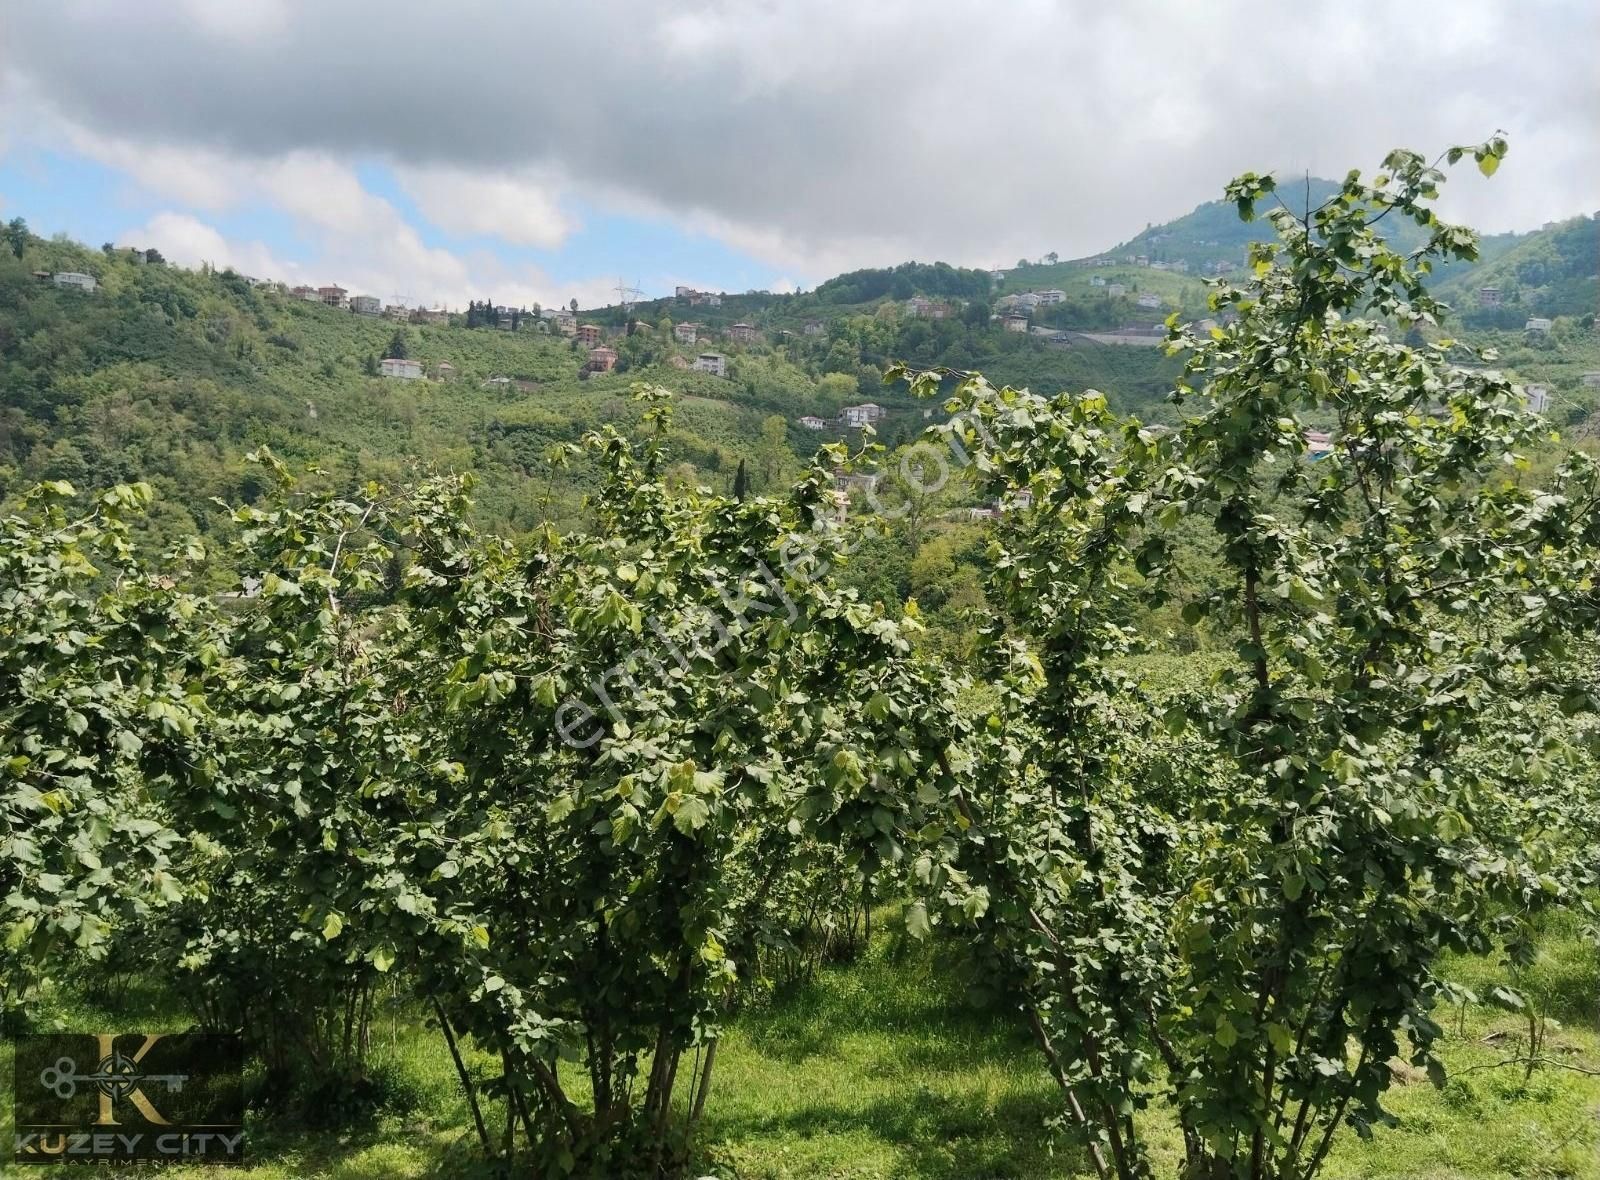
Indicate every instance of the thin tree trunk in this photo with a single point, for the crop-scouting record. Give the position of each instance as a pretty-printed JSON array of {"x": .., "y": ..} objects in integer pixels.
[
  {"x": 704, "y": 1088},
  {"x": 1054, "y": 1062},
  {"x": 466, "y": 1080}
]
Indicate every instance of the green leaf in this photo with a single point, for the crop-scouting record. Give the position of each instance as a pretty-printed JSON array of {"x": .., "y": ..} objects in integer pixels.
[
  {"x": 1282, "y": 1042},
  {"x": 332, "y": 925},
  {"x": 1226, "y": 1035},
  {"x": 691, "y": 814},
  {"x": 917, "y": 920},
  {"x": 382, "y": 957}
]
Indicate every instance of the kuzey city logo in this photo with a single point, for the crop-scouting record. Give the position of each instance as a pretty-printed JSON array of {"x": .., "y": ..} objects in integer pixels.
[{"x": 107, "y": 1098}]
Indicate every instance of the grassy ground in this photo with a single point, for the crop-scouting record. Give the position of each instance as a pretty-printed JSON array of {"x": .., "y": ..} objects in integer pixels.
[{"x": 884, "y": 1070}]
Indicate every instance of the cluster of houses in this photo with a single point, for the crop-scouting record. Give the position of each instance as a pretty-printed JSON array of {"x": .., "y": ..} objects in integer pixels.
[
  {"x": 696, "y": 298},
  {"x": 850, "y": 418},
  {"x": 334, "y": 295}
]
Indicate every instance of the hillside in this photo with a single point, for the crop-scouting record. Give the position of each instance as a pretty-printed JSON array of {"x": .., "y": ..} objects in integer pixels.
[
  {"x": 1551, "y": 272},
  {"x": 1211, "y": 235},
  {"x": 174, "y": 376}
]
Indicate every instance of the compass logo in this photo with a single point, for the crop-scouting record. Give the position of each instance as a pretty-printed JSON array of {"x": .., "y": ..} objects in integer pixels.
[{"x": 106, "y": 1097}]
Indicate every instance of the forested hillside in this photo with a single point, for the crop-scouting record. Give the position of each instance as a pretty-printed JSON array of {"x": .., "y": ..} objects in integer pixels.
[
  {"x": 1550, "y": 272},
  {"x": 1213, "y": 234},
  {"x": 173, "y": 376}
]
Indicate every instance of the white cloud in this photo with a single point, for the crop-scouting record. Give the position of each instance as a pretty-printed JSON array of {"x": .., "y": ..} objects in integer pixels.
[
  {"x": 239, "y": 20},
  {"x": 388, "y": 261},
  {"x": 188, "y": 241},
  {"x": 523, "y": 209},
  {"x": 818, "y": 135}
]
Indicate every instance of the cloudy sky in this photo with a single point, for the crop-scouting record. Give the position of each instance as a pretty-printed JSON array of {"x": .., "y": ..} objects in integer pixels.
[{"x": 449, "y": 149}]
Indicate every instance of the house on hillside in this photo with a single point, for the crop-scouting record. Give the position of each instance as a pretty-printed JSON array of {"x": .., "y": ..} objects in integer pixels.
[
  {"x": 589, "y": 334},
  {"x": 1148, "y": 300},
  {"x": 866, "y": 414},
  {"x": 812, "y": 422},
  {"x": 1116, "y": 290},
  {"x": 406, "y": 370},
  {"x": 1097, "y": 280},
  {"x": 366, "y": 304},
  {"x": 813, "y": 328},
  {"x": 686, "y": 333},
  {"x": 435, "y": 315},
  {"x": 1051, "y": 296},
  {"x": 309, "y": 294},
  {"x": 712, "y": 362},
  {"x": 333, "y": 296},
  {"x": 74, "y": 279},
  {"x": 744, "y": 333},
  {"x": 929, "y": 309},
  {"x": 1537, "y": 326},
  {"x": 398, "y": 312},
  {"x": 1537, "y": 397},
  {"x": 1014, "y": 323},
  {"x": 602, "y": 360},
  {"x": 848, "y": 483},
  {"x": 1590, "y": 380},
  {"x": 444, "y": 371},
  {"x": 1488, "y": 296}
]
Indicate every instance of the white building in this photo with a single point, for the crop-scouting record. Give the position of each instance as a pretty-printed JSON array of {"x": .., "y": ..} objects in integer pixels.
[
  {"x": 1051, "y": 296},
  {"x": 1537, "y": 325},
  {"x": 865, "y": 414},
  {"x": 407, "y": 370},
  {"x": 1148, "y": 300},
  {"x": 1014, "y": 323},
  {"x": 1318, "y": 443},
  {"x": 366, "y": 304},
  {"x": 686, "y": 333},
  {"x": 1116, "y": 290},
  {"x": 75, "y": 279},
  {"x": 812, "y": 422},
  {"x": 1537, "y": 397},
  {"x": 712, "y": 362}
]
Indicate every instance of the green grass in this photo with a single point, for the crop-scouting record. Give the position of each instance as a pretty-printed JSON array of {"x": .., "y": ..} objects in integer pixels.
[{"x": 886, "y": 1069}]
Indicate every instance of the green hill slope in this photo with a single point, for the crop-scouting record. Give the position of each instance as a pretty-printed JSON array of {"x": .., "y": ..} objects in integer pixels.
[
  {"x": 1212, "y": 233},
  {"x": 1551, "y": 272}
]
